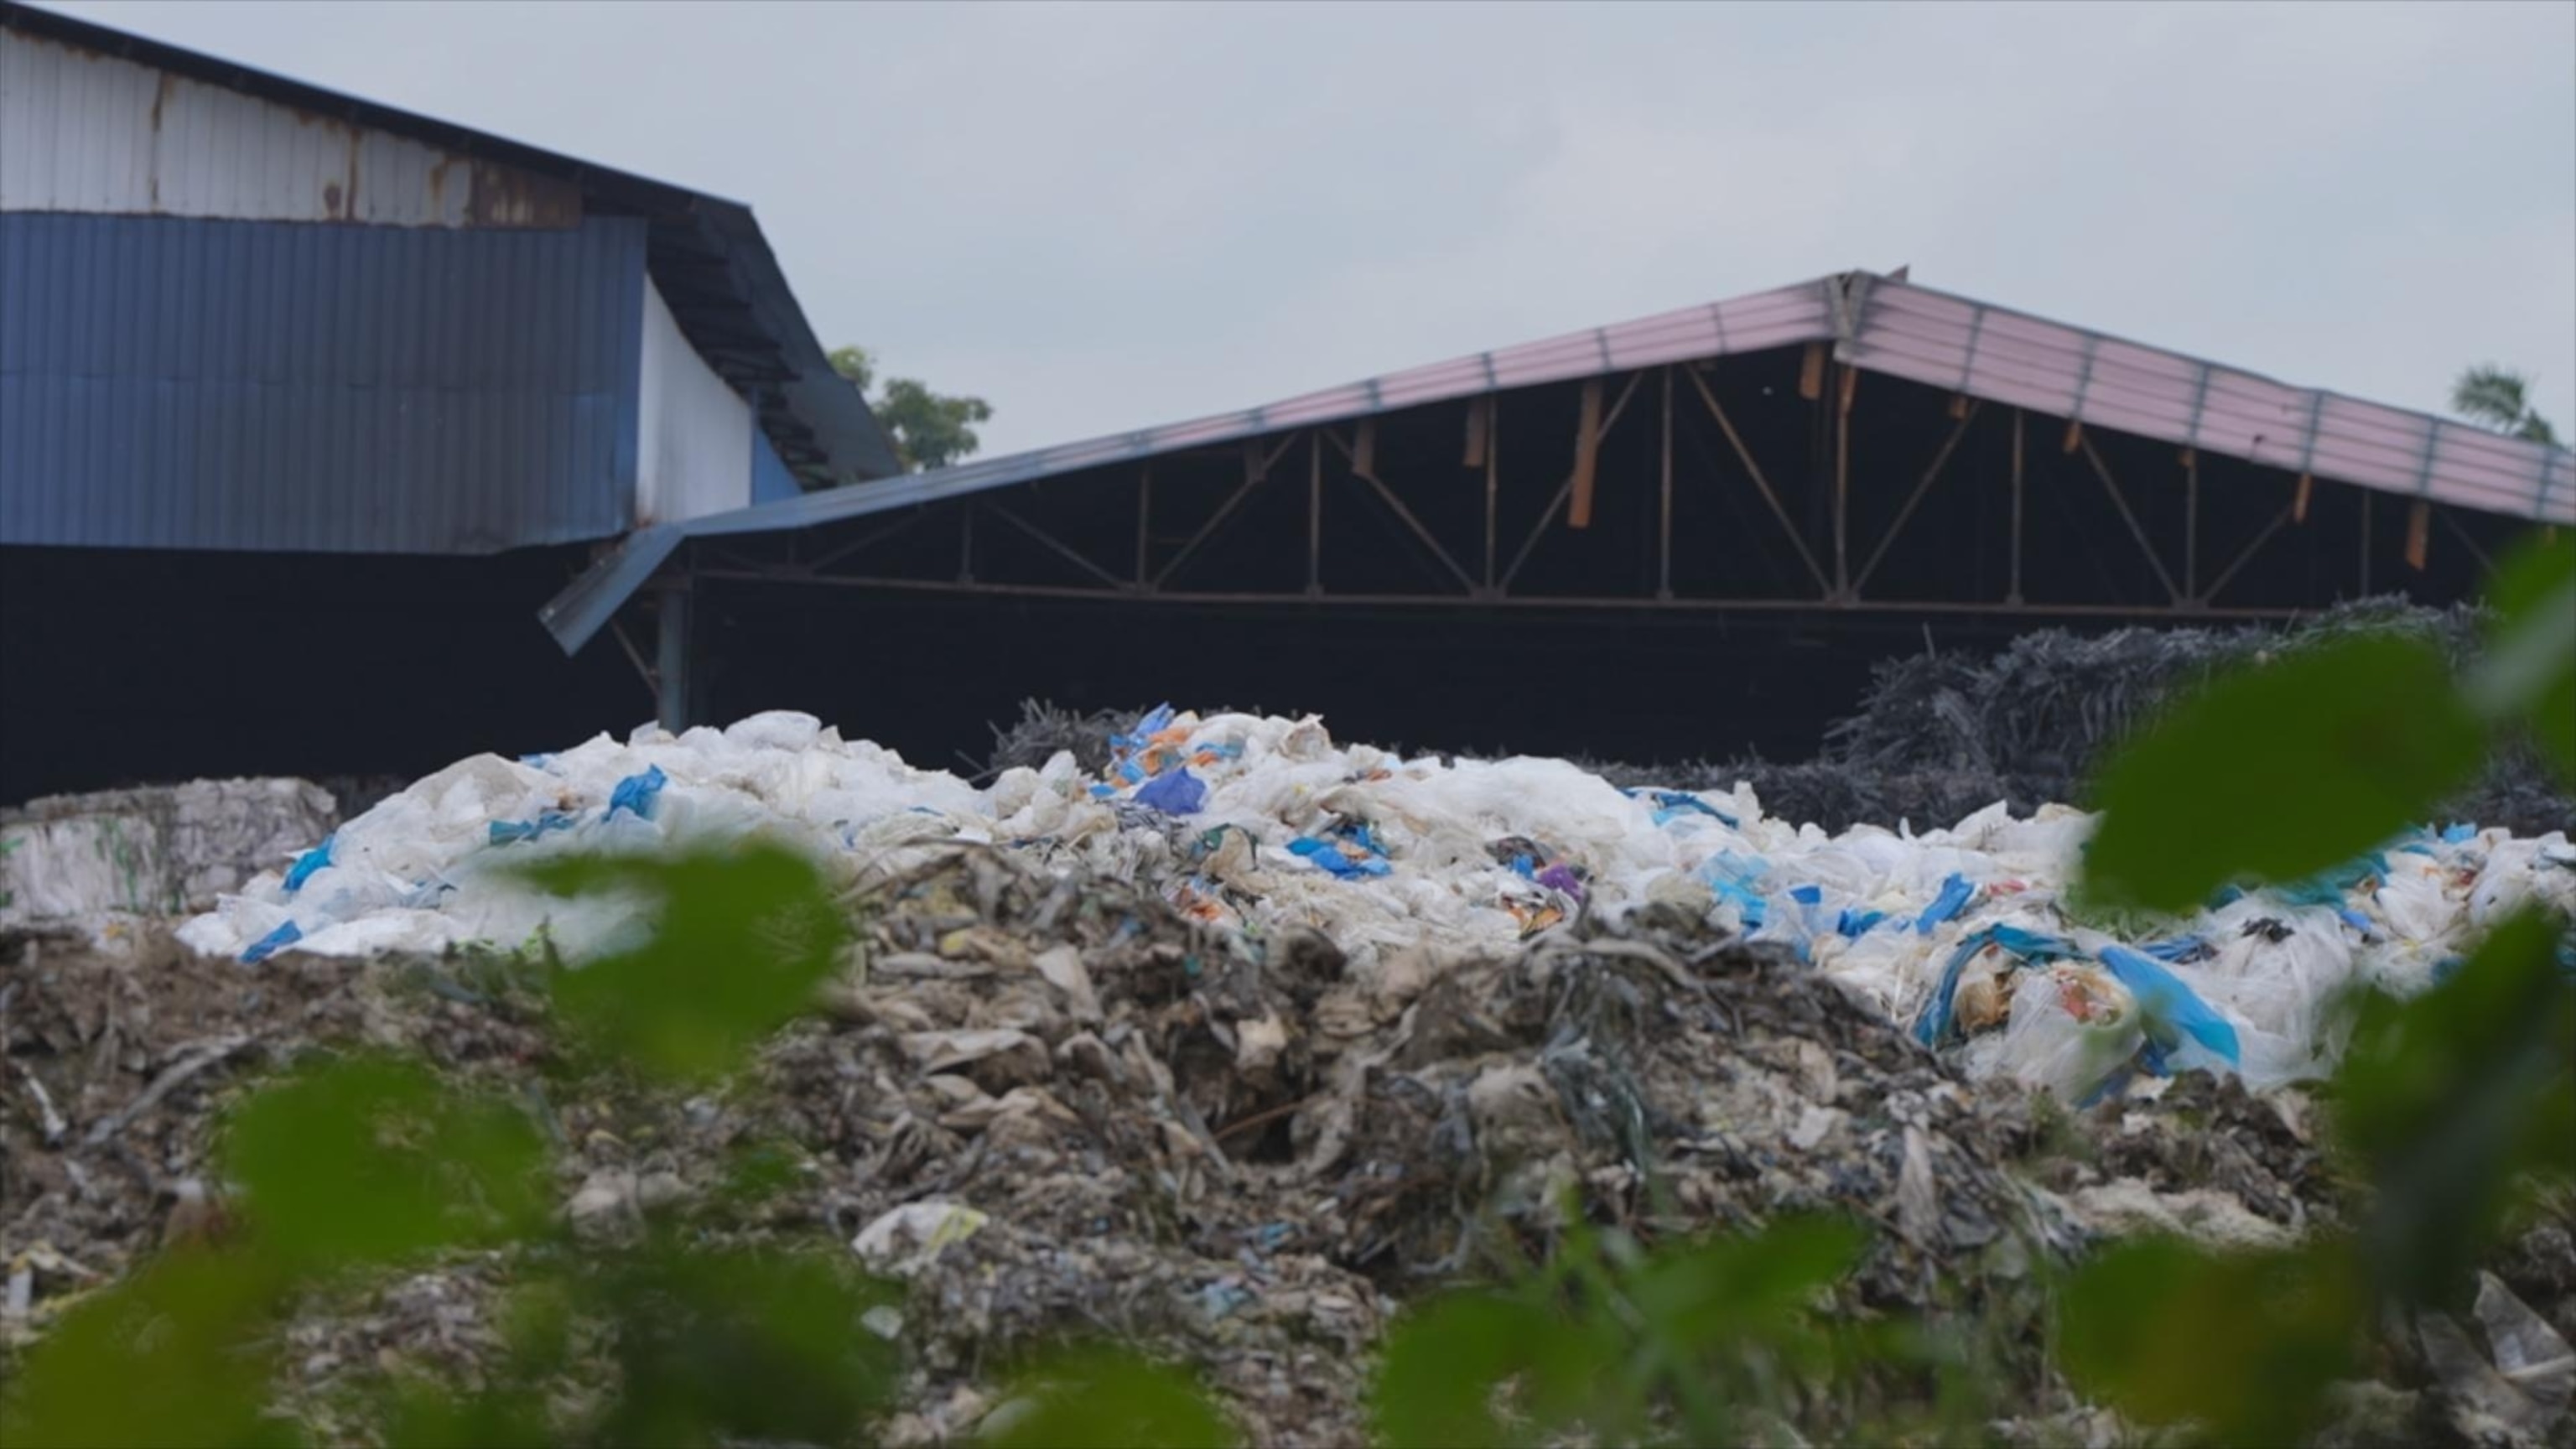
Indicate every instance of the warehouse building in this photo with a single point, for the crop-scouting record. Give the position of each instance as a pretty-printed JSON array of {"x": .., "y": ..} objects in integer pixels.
[
  {"x": 306, "y": 404},
  {"x": 334, "y": 440},
  {"x": 1684, "y": 536}
]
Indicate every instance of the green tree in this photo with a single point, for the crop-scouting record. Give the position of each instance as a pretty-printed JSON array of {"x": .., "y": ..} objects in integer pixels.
[
  {"x": 931, "y": 429},
  {"x": 2500, "y": 398}
]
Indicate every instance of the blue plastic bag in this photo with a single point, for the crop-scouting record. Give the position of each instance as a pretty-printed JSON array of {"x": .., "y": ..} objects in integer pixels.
[
  {"x": 1328, "y": 855},
  {"x": 638, "y": 793},
  {"x": 1176, "y": 793},
  {"x": 309, "y": 862}
]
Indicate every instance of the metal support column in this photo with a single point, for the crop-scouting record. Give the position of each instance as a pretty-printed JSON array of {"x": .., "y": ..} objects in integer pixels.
[
  {"x": 1848, "y": 378},
  {"x": 1664, "y": 534},
  {"x": 673, "y": 673},
  {"x": 2013, "y": 595},
  {"x": 2191, "y": 525}
]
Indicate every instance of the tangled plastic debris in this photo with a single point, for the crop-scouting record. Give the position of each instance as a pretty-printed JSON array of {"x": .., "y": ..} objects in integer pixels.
[{"x": 1263, "y": 825}]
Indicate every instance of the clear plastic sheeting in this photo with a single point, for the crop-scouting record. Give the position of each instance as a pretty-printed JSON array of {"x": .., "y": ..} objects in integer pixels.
[{"x": 1260, "y": 825}]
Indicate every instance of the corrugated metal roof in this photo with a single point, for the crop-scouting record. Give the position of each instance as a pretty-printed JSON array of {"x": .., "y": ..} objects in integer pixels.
[
  {"x": 707, "y": 254},
  {"x": 82, "y": 131},
  {"x": 179, "y": 383},
  {"x": 2101, "y": 381},
  {"x": 1877, "y": 324}
]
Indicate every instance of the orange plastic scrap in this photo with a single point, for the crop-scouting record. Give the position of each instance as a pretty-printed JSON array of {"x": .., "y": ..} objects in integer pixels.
[
  {"x": 1534, "y": 916},
  {"x": 1197, "y": 907}
]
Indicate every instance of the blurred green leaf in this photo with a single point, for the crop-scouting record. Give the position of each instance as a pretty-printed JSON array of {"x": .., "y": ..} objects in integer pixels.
[
  {"x": 728, "y": 1344},
  {"x": 762, "y": 1170},
  {"x": 2281, "y": 771},
  {"x": 425, "y": 1416},
  {"x": 742, "y": 939},
  {"x": 2242, "y": 1344},
  {"x": 2529, "y": 671},
  {"x": 173, "y": 1356},
  {"x": 1104, "y": 1399},
  {"x": 1443, "y": 1364},
  {"x": 1758, "y": 1286},
  {"x": 370, "y": 1158},
  {"x": 2448, "y": 1096}
]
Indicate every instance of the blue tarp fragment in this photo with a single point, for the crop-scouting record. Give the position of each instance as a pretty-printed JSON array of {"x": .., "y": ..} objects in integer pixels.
[
  {"x": 1954, "y": 898},
  {"x": 1856, "y": 923},
  {"x": 2171, "y": 1009}
]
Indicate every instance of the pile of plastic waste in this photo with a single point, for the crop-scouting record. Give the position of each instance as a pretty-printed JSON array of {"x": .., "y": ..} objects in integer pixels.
[{"x": 1262, "y": 825}]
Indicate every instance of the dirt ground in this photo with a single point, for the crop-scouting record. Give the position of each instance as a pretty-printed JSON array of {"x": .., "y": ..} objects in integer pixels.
[{"x": 1244, "y": 1157}]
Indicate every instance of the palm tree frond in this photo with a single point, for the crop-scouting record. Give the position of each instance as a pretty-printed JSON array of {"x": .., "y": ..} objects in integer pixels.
[{"x": 2492, "y": 395}]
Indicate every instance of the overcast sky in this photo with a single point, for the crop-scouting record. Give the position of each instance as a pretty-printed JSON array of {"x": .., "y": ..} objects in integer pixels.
[{"x": 1100, "y": 217}]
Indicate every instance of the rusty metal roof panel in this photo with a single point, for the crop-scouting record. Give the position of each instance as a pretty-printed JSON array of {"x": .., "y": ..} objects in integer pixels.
[
  {"x": 84, "y": 131},
  {"x": 2102, "y": 381}
]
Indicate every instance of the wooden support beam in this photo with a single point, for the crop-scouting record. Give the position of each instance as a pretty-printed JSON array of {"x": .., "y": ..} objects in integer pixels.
[
  {"x": 1565, "y": 490},
  {"x": 2419, "y": 534},
  {"x": 1811, "y": 372},
  {"x": 1363, "y": 449},
  {"x": 1587, "y": 455},
  {"x": 2299, "y": 505},
  {"x": 2074, "y": 436},
  {"x": 1479, "y": 417}
]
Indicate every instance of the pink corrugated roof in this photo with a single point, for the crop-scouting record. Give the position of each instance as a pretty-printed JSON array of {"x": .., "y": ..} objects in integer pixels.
[
  {"x": 2009, "y": 357},
  {"x": 1876, "y": 323}
]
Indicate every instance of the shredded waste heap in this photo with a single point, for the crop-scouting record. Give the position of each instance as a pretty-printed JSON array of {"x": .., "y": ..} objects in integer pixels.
[{"x": 1258, "y": 827}]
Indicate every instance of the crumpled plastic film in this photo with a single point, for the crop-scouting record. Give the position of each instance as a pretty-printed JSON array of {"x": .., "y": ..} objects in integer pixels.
[{"x": 1260, "y": 825}]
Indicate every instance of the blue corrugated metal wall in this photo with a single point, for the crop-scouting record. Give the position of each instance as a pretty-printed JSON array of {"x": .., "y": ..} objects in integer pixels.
[
  {"x": 181, "y": 383},
  {"x": 770, "y": 480}
]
